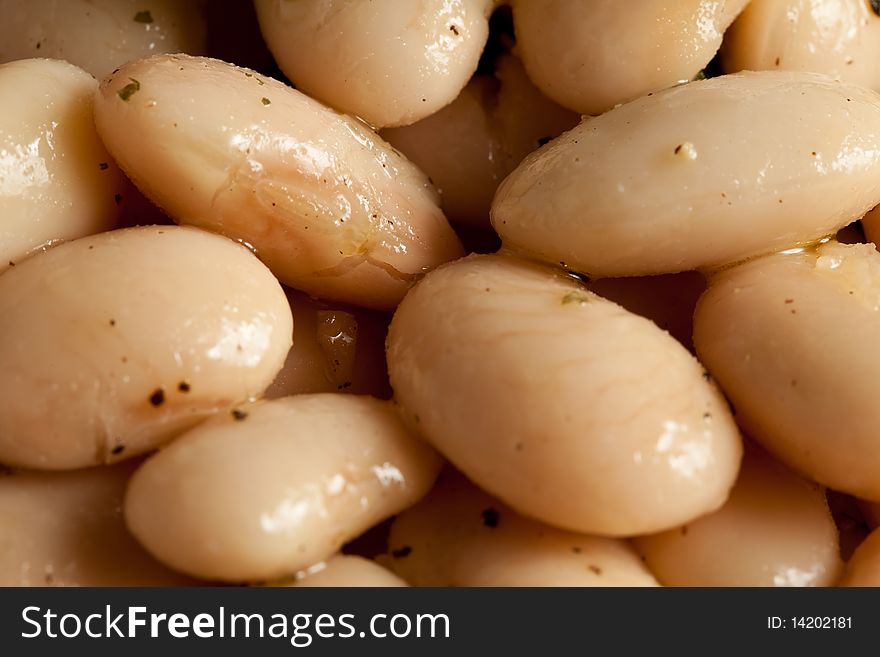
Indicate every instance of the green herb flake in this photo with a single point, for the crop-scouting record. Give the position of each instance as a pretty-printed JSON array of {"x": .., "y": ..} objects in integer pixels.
[
  {"x": 143, "y": 17},
  {"x": 266, "y": 101},
  {"x": 129, "y": 90},
  {"x": 575, "y": 296},
  {"x": 700, "y": 76}
]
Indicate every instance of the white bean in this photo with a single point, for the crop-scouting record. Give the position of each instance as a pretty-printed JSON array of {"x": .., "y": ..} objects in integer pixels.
[
  {"x": 276, "y": 487},
  {"x": 113, "y": 344},
  {"x": 562, "y": 404},
  {"x": 591, "y": 56},
  {"x": 390, "y": 62},
  {"x": 57, "y": 182},
  {"x": 775, "y": 530},
  {"x": 791, "y": 338},
  {"x": 66, "y": 529},
  {"x": 840, "y": 38},
  {"x": 329, "y": 207},
  {"x": 459, "y": 536},
  {"x": 688, "y": 179}
]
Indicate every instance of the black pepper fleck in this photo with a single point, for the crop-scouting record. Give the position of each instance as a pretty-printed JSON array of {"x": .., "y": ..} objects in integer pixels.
[
  {"x": 103, "y": 166},
  {"x": 400, "y": 553},
  {"x": 117, "y": 198},
  {"x": 239, "y": 414},
  {"x": 490, "y": 518},
  {"x": 143, "y": 17},
  {"x": 158, "y": 397},
  {"x": 183, "y": 386},
  {"x": 265, "y": 101},
  {"x": 112, "y": 322},
  {"x": 118, "y": 449},
  {"x": 453, "y": 29},
  {"x": 707, "y": 376}
]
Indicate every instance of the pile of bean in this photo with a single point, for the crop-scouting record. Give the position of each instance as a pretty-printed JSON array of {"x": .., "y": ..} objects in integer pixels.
[{"x": 440, "y": 293}]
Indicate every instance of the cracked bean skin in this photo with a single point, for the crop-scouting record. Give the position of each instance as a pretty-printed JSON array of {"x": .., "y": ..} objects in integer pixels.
[
  {"x": 277, "y": 486},
  {"x": 628, "y": 52},
  {"x": 115, "y": 343},
  {"x": 562, "y": 404},
  {"x": 789, "y": 338},
  {"x": 331, "y": 209},
  {"x": 774, "y": 530},
  {"x": 57, "y": 181},
  {"x": 99, "y": 35},
  {"x": 388, "y": 62},
  {"x": 66, "y": 529},
  {"x": 460, "y": 536},
  {"x": 347, "y": 570},
  {"x": 840, "y": 38},
  {"x": 682, "y": 179}
]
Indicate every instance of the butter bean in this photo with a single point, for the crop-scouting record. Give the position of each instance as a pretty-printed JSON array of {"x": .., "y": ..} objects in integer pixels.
[
  {"x": 57, "y": 182},
  {"x": 329, "y": 207},
  {"x": 459, "y": 536},
  {"x": 591, "y": 56},
  {"x": 562, "y": 404},
  {"x": 789, "y": 338},
  {"x": 275, "y": 487},
  {"x": 388, "y": 62},
  {"x": 840, "y": 38},
  {"x": 115, "y": 343},
  {"x": 774, "y": 530},
  {"x": 688, "y": 179},
  {"x": 66, "y": 529}
]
